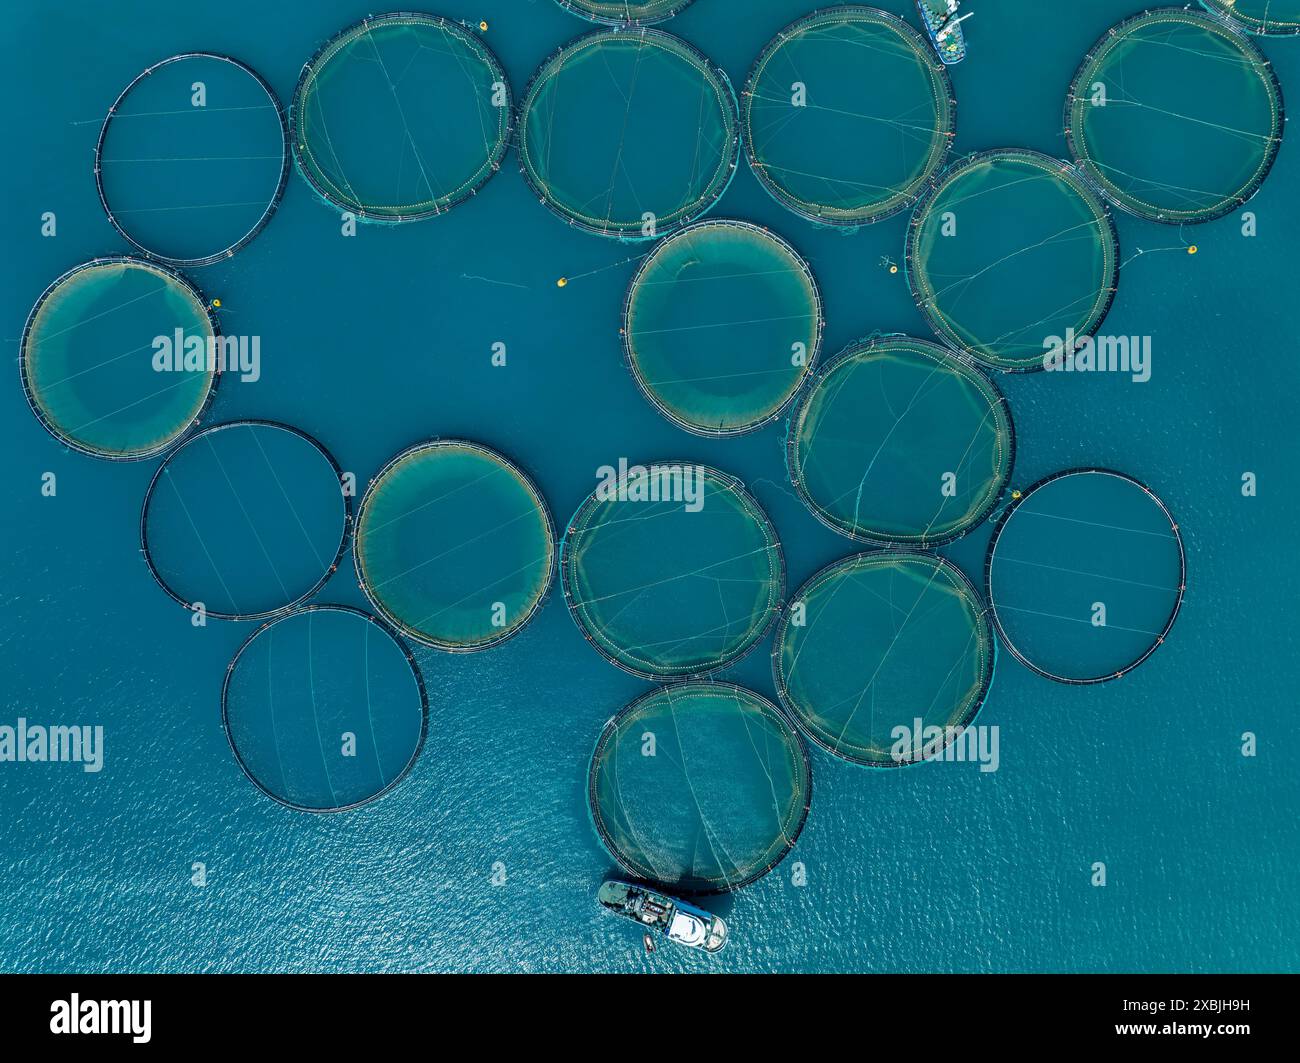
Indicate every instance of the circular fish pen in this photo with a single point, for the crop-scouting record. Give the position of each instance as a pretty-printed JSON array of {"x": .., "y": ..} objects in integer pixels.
[
  {"x": 847, "y": 115},
  {"x": 454, "y": 545},
  {"x": 722, "y": 323},
  {"x": 1085, "y": 575},
  {"x": 672, "y": 570},
  {"x": 245, "y": 520},
  {"x": 624, "y": 12},
  {"x": 401, "y": 117},
  {"x": 884, "y": 658},
  {"x": 91, "y": 367},
  {"x": 1176, "y": 116},
  {"x": 701, "y": 787},
  {"x": 325, "y": 709},
  {"x": 898, "y": 441},
  {"x": 1265, "y": 18},
  {"x": 628, "y": 133},
  {"x": 193, "y": 158},
  {"x": 1010, "y": 250}
]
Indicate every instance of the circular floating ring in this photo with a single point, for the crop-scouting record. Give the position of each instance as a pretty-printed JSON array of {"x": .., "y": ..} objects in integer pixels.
[
  {"x": 325, "y": 709},
  {"x": 258, "y": 508},
  {"x": 721, "y": 324},
  {"x": 847, "y": 116},
  {"x": 435, "y": 129},
  {"x": 193, "y": 158},
  {"x": 1175, "y": 116},
  {"x": 454, "y": 545},
  {"x": 89, "y": 358},
  {"x": 624, "y": 12},
  {"x": 629, "y": 133},
  {"x": 1265, "y": 18},
  {"x": 1085, "y": 573},
  {"x": 672, "y": 570},
  {"x": 703, "y": 787},
  {"x": 1008, "y": 251},
  {"x": 900, "y": 441},
  {"x": 884, "y": 658}
]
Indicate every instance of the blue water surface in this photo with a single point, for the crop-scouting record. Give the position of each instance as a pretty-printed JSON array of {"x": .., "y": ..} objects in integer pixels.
[{"x": 375, "y": 342}]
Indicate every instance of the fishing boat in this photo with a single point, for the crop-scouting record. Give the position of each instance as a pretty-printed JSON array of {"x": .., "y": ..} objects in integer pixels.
[
  {"x": 943, "y": 24},
  {"x": 674, "y": 919}
]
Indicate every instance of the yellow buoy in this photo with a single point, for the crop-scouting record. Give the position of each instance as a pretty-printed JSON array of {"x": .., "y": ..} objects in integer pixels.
[
  {"x": 216, "y": 302},
  {"x": 562, "y": 282},
  {"x": 1015, "y": 494},
  {"x": 483, "y": 26},
  {"x": 893, "y": 269},
  {"x": 1192, "y": 250}
]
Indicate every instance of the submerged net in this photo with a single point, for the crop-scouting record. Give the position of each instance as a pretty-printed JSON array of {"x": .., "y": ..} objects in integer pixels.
[
  {"x": 628, "y": 133},
  {"x": 672, "y": 570},
  {"x": 884, "y": 658},
  {"x": 1085, "y": 574},
  {"x": 722, "y": 322},
  {"x": 899, "y": 441},
  {"x": 847, "y": 115},
  {"x": 91, "y": 368},
  {"x": 702, "y": 787},
  {"x": 401, "y": 117},
  {"x": 246, "y": 520},
  {"x": 1176, "y": 116},
  {"x": 1263, "y": 17},
  {"x": 1010, "y": 251},
  {"x": 193, "y": 158},
  {"x": 454, "y": 545},
  {"x": 324, "y": 709},
  {"x": 624, "y": 12}
]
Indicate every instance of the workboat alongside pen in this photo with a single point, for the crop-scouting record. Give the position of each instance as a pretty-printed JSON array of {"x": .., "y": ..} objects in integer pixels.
[
  {"x": 943, "y": 24},
  {"x": 673, "y": 918}
]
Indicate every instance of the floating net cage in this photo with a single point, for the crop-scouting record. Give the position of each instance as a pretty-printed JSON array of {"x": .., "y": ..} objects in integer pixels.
[
  {"x": 89, "y": 361},
  {"x": 1176, "y": 116},
  {"x": 454, "y": 545},
  {"x": 1266, "y": 18},
  {"x": 193, "y": 158},
  {"x": 1010, "y": 249},
  {"x": 325, "y": 709},
  {"x": 1086, "y": 573},
  {"x": 245, "y": 520},
  {"x": 624, "y": 12},
  {"x": 885, "y": 658},
  {"x": 672, "y": 570},
  {"x": 629, "y": 133},
  {"x": 847, "y": 116},
  {"x": 722, "y": 323},
  {"x": 701, "y": 787},
  {"x": 899, "y": 441},
  {"x": 401, "y": 117}
]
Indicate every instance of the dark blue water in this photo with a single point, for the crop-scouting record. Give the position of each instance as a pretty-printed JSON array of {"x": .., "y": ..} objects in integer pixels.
[{"x": 375, "y": 342}]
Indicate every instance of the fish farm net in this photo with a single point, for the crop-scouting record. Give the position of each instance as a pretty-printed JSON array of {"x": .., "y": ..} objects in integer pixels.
[
  {"x": 1086, "y": 573},
  {"x": 1267, "y": 18},
  {"x": 628, "y": 133},
  {"x": 1010, "y": 251},
  {"x": 93, "y": 370},
  {"x": 624, "y": 12},
  {"x": 193, "y": 158},
  {"x": 900, "y": 441},
  {"x": 1176, "y": 116},
  {"x": 401, "y": 117},
  {"x": 847, "y": 115},
  {"x": 672, "y": 570},
  {"x": 454, "y": 545},
  {"x": 701, "y": 787},
  {"x": 245, "y": 520},
  {"x": 721, "y": 324},
  {"x": 884, "y": 658},
  {"x": 324, "y": 708}
]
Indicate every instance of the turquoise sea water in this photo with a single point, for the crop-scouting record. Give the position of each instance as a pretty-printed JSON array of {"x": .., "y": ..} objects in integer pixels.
[{"x": 373, "y": 343}]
